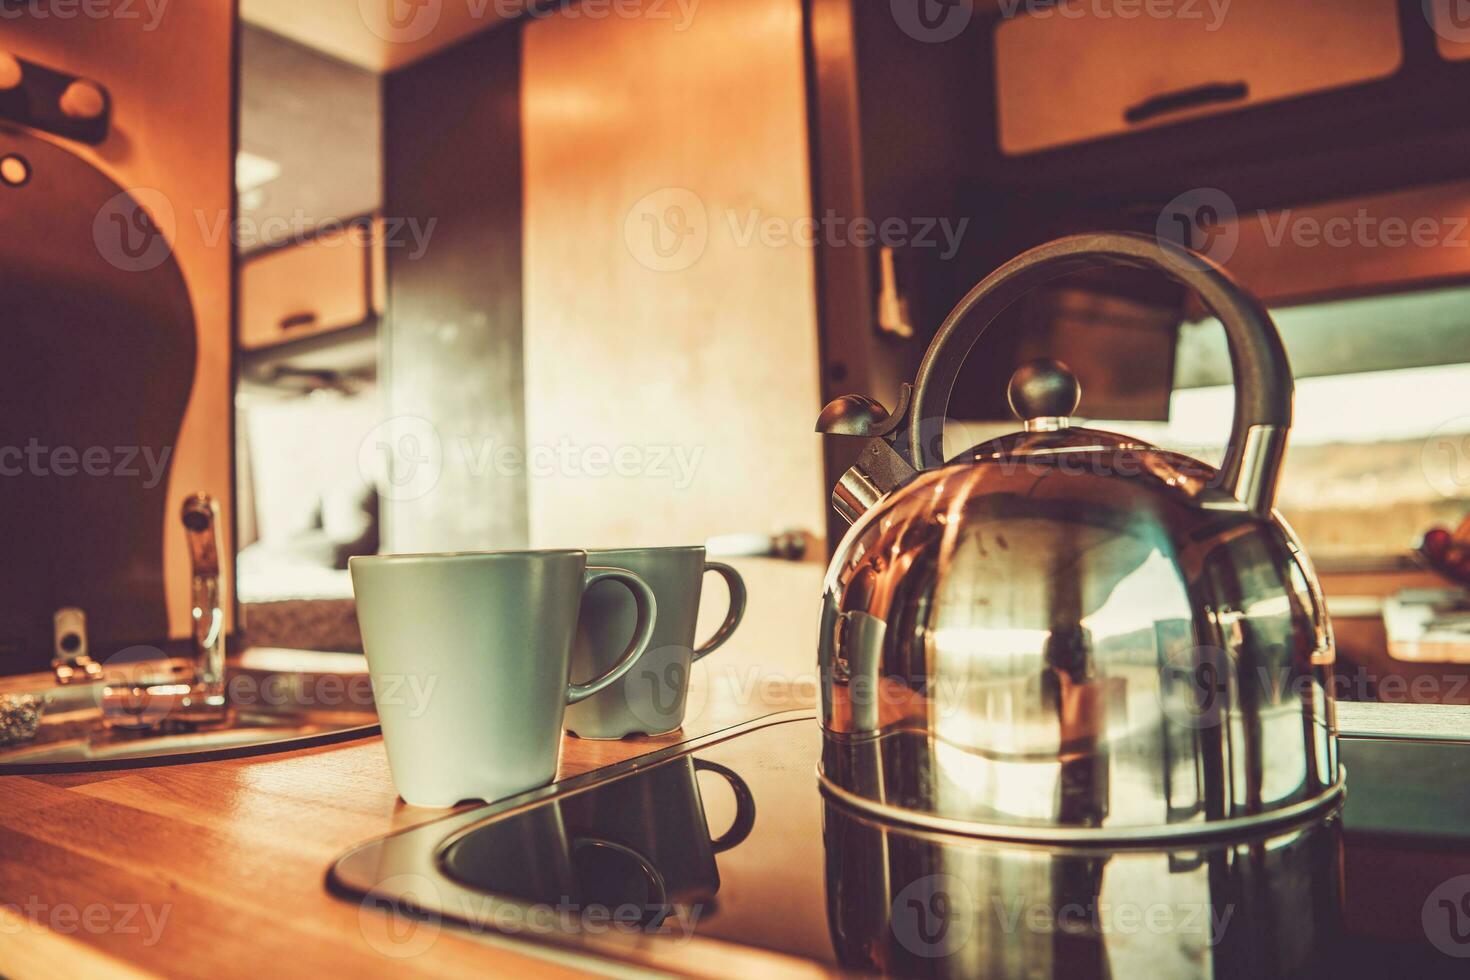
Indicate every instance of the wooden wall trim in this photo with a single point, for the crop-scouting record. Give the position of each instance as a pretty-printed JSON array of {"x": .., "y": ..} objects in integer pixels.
[
  {"x": 452, "y": 344},
  {"x": 849, "y": 362}
]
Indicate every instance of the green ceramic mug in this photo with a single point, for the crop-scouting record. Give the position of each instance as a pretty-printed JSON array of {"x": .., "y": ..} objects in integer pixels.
[
  {"x": 470, "y": 657},
  {"x": 649, "y": 699}
]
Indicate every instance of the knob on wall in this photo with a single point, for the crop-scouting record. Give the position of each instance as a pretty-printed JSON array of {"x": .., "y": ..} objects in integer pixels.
[
  {"x": 11, "y": 72},
  {"x": 43, "y": 98}
]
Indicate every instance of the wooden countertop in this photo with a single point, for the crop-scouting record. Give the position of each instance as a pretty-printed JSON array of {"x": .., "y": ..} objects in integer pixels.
[{"x": 218, "y": 868}]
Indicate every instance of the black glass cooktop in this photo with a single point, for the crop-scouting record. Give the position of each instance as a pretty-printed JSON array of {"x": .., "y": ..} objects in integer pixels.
[{"x": 734, "y": 841}]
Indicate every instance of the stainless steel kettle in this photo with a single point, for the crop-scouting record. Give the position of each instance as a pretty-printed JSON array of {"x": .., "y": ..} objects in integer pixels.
[{"x": 1066, "y": 634}]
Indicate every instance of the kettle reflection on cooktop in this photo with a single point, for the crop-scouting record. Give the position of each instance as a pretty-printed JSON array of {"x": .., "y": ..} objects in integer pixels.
[
  {"x": 736, "y": 842},
  {"x": 908, "y": 903}
]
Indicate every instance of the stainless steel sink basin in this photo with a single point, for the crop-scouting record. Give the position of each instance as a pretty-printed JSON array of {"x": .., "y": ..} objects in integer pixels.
[
  {"x": 105, "y": 725},
  {"x": 253, "y": 730}
]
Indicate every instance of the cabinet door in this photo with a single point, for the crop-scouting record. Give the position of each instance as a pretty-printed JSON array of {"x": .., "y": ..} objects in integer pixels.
[
  {"x": 1085, "y": 70},
  {"x": 306, "y": 289}
]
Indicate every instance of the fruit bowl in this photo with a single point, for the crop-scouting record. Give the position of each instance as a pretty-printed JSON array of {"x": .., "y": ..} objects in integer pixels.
[{"x": 1448, "y": 552}]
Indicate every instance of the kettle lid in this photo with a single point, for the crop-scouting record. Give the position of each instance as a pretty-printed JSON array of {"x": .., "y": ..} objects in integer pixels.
[{"x": 1043, "y": 394}]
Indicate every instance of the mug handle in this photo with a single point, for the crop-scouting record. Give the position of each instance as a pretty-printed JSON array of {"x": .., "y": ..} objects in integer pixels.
[
  {"x": 661, "y": 907},
  {"x": 642, "y": 633},
  {"x": 732, "y": 618},
  {"x": 744, "y": 806}
]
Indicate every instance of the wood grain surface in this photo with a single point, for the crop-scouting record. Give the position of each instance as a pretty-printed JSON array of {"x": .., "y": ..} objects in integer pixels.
[{"x": 218, "y": 868}]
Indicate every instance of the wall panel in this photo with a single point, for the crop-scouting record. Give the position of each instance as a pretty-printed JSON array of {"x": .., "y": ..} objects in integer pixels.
[
  {"x": 169, "y": 70},
  {"x": 670, "y": 315}
]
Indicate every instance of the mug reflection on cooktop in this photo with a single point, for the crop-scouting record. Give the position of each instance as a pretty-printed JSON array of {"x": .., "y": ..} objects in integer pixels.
[
  {"x": 738, "y": 843},
  {"x": 635, "y": 844}
]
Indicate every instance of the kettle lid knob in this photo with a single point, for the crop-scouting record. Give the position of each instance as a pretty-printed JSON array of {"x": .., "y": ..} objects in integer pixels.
[{"x": 1044, "y": 393}]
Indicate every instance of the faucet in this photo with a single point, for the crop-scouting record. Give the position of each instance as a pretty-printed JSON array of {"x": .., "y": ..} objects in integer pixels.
[
  {"x": 200, "y": 515},
  {"x": 137, "y": 700},
  {"x": 70, "y": 660}
]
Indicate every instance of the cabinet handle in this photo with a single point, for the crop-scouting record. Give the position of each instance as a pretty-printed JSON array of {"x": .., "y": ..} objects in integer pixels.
[
  {"x": 297, "y": 320},
  {"x": 1212, "y": 93}
]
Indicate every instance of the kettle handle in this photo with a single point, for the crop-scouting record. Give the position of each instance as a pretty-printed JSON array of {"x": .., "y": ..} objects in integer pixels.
[{"x": 1263, "y": 382}]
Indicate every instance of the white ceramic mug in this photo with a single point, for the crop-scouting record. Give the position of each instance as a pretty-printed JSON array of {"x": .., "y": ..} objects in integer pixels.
[{"x": 470, "y": 658}]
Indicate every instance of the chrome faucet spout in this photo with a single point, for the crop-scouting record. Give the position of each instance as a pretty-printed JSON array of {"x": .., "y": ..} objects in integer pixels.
[{"x": 201, "y": 516}]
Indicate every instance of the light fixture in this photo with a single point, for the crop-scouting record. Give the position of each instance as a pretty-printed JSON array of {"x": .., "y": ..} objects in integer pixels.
[
  {"x": 83, "y": 100},
  {"x": 11, "y": 73},
  {"x": 14, "y": 170}
]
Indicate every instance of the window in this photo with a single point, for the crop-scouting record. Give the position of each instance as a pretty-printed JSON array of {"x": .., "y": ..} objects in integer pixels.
[{"x": 1380, "y": 448}]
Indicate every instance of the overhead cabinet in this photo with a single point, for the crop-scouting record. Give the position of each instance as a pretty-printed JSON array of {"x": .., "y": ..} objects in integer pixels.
[
  {"x": 301, "y": 290},
  {"x": 1086, "y": 70}
]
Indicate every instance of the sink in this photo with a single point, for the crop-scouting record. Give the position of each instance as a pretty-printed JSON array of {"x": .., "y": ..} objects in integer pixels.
[
  {"x": 255, "y": 730},
  {"x": 276, "y": 706}
]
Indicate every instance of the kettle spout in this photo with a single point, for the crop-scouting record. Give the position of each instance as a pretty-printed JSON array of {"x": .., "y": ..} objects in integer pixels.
[
  {"x": 881, "y": 467},
  {"x": 878, "y": 470}
]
